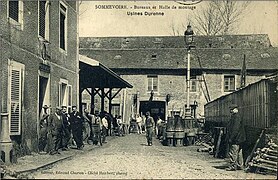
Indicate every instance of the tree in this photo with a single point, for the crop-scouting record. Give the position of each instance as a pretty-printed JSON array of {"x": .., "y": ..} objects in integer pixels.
[
  {"x": 207, "y": 21},
  {"x": 219, "y": 16}
]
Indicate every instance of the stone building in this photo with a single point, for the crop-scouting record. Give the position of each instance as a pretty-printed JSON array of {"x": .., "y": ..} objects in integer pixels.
[
  {"x": 39, "y": 64},
  {"x": 159, "y": 65}
]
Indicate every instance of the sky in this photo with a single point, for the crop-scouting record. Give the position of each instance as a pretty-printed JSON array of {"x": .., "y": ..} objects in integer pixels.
[{"x": 261, "y": 17}]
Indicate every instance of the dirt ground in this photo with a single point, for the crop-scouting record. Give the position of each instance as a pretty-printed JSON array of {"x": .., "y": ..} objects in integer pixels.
[{"x": 128, "y": 157}]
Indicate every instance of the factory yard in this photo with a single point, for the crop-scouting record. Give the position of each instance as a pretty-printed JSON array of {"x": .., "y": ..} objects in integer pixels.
[{"x": 129, "y": 157}]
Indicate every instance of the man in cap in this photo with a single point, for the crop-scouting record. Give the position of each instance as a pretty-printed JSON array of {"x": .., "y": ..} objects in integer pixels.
[
  {"x": 149, "y": 128},
  {"x": 76, "y": 123},
  {"x": 55, "y": 129},
  {"x": 43, "y": 129},
  {"x": 235, "y": 136}
]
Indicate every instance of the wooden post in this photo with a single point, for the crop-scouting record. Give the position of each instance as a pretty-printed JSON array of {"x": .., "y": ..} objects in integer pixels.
[
  {"x": 102, "y": 99},
  {"x": 110, "y": 100},
  {"x": 92, "y": 101},
  {"x": 80, "y": 100}
]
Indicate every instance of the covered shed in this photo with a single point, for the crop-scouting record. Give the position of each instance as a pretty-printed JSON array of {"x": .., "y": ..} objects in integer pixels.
[{"x": 97, "y": 79}]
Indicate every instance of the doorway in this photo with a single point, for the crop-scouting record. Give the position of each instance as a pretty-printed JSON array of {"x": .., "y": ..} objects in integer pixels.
[
  {"x": 156, "y": 108},
  {"x": 43, "y": 96},
  {"x": 43, "y": 93}
]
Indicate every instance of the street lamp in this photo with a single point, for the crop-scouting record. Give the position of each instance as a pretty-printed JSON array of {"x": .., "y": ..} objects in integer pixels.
[{"x": 189, "y": 43}]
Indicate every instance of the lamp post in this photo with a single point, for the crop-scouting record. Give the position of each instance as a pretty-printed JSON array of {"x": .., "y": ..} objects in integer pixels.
[{"x": 189, "y": 43}]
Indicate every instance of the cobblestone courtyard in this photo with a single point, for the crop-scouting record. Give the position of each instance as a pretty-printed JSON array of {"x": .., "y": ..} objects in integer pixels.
[{"x": 129, "y": 157}]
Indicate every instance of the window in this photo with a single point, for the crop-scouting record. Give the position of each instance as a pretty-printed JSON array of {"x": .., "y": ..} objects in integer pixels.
[
  {"x": 15, "y": 12},
  {"x": 63, "y": 27},
  {"x": 153, "y": 83},
  {"x": 65, "y": 94},
  {"x": 229, "y": 83},
  {"x": 193, "y": 84},
  {"x": 15, "y": 98},
  {"x": 44, "y": 19},
  {"x": 69, "y": 97},
  {"x": 154, "y": 56}
]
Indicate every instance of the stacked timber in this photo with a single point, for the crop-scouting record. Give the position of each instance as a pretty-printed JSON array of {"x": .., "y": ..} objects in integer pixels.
[{"x": 265, "y": 159}]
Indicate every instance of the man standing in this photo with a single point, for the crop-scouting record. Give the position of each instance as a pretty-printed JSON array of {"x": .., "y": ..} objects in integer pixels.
[
  {"x": 76, "y": 124},
  {"x": 236, "y": 136},
  {"x": 55, "y": 128},
  {"x": 149, "y": 128},
  {"x": 66, "y": 129},
  {"x": 159, "y": 127},
  {"x": 43, "y": 129},
  {"x": 139, "y": 123},
  {"x": 88, "y": 120},
  {"x": 104, "y": 122}
]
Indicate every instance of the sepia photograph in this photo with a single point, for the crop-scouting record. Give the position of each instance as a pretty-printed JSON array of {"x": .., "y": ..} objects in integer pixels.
[{"x": 165, "y": 89}]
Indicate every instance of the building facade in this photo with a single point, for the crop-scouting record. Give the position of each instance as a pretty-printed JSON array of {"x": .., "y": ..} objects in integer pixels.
[
  {"x": 39, "y": 64},
  {"x": 157, "y": 68}
]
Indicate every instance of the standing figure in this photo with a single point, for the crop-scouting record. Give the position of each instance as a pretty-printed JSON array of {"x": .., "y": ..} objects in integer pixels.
[
  {"x": 104, "y": 123},
  {"x": 66, "y": 129},
  {"x": 143, "y": 123},
  {"x": 139, "y": 123},
  {"x": 120, "y": 125},
  {"x": 43, "y": 129},
  {"x": 76, "y": 124},
  {"x": 55, "y": 130},
  {"x": 149, "y": 128},
  {"x": 236, "y": 137},
  {"x": 89, "y": 119},
  {"x": 159, "y": 127}
]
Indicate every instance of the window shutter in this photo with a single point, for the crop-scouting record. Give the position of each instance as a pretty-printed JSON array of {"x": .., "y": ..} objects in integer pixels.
[
  {"x": 42, "y": 14},
  {"x": 15, "y": 101},
  {"x": 13, "y": 10}
]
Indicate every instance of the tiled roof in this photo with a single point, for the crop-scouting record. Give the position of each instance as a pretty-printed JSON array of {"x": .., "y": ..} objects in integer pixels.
[
  {"x": 145, "y": 42},
  {"x": 174, "y": 58}
]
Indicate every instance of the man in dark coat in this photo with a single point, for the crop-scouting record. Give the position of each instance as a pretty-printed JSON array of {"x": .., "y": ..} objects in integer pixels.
[
  {"x": 149, "y": 128},
  {"x": 43, "y": 129},
  {"x": 66, "y": 129},
  {"x": 55, "y": 129},
  {"x": 236, "y": 136},
  {"x": 76, "y": 124}
]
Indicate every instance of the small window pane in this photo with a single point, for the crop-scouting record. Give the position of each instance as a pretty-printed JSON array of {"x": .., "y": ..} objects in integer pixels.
[
  {"x": 42, "y": 14},
  {"x": 14, "y": 10},
  {"x": 229, "y": 83}
]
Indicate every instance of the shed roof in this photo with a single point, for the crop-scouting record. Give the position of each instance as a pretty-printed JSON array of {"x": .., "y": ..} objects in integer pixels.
[{"x": 94, "y": 74}]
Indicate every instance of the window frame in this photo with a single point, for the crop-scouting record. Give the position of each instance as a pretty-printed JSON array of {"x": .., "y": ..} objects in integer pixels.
[
  {"x": 47, "y": 20},
  {"x": 194, "y": 83},
  {"x": 67, "y": 96},
  {"x": 65, "y": 28},
  {"x": 152, "y": 77},
  {"x": 17, "y": 24},
  {"x": 229, "y": 83}
]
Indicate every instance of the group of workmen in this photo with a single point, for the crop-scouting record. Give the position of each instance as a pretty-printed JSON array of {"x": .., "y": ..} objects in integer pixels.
[{"x": 61, "y": 130}]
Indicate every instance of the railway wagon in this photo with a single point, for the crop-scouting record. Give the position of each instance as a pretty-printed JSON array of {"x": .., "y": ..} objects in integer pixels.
[{"x": 257, "y": 104}]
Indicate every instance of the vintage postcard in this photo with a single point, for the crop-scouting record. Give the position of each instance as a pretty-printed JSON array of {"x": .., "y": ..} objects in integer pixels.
[{"x": 182, "y": 89}]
